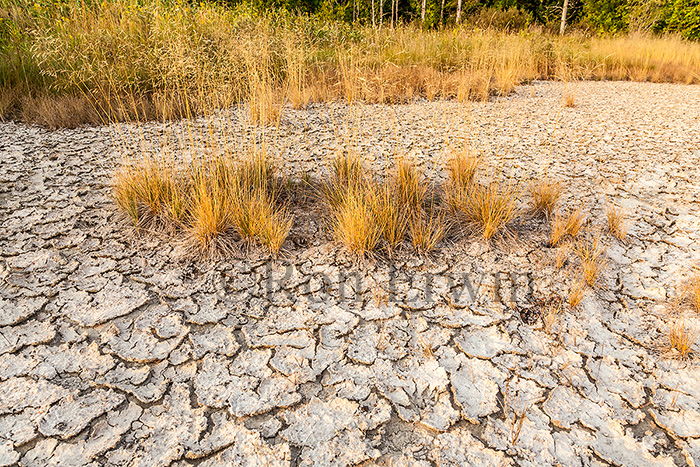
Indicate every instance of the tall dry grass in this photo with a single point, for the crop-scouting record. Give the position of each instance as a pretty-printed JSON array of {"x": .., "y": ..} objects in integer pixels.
[
  {"x": 67, "y": 63},
  {"x": 214, "y": 202},
  {"x": 367, "y": 215}
]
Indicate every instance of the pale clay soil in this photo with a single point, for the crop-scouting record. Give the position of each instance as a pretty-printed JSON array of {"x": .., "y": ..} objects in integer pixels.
[{"x": 116, "y": 350}]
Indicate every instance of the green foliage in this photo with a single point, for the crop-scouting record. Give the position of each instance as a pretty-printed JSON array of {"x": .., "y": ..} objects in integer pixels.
[
  {"x": 685, "y": 18},
  {"x": 607, "y": 16},
  {"x": 510, "y": 19}
]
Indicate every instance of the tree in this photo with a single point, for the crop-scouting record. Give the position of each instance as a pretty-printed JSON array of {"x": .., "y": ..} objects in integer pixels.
[{"x": 563, "y": 17}]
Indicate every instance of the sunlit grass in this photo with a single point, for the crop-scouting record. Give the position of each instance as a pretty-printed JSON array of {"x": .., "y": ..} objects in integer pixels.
[
  {"x": 69, "y": 63},
  {"x": 563, "y": 226},
  {"x": 617, "y": 224},
  {"x": 427, "y": 230},
  {"x": 681, "y": 339},
  {"x": 213, "y": 202},
  {"x": 590, "y": 251},
  {"x": 545, "y": 195}
]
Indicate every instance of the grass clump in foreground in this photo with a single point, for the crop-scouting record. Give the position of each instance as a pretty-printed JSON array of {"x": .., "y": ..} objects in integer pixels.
[
  {"x": 545, "y": 195},
  {"x": 486, "y": 209},
  {"x": 617, "y": 225},
  {"x": 149, "y": 192},
  {"x": 214, "y": 202},
  {"x": 691, "y": 291},
  {"x": 69, "y": 63},
  {"x": 565, "y": 226},
  {"x": 681, "y": 340},
  {"x": 590, "y": 252},
  {"x": 366, "y": 216}
]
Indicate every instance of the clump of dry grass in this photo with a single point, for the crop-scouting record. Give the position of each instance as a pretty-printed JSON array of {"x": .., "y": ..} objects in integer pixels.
[
  {"x": 551, "y": 315},
  {"x": 569, "y": 99},
  {"x": 149, "y": 192},
  {"x": 490, "y": 208},
  {"x": 576, "y": 293},
  {"x": 211, "y": 211},
  {"x": 590, "y": 253},
  {"x": 360, "y": 212},
  {"x": 487, "y": 209},
  {"x": 563, "y": 226},
  {"x": 213, "y": 202},
  {"x": 461, "y": 166},
  {"x": 392, "y": 218},
  {"x": 354, "y": 220},
  {"x": 545, "y": 195},
  {"x": 410, "y": 188},
  {"x": 681, "y": 340},
  {"x": 427, "y": 230},
  {"x": 259, "y": 219},
  {"x": 617, "y": 224},
  {"x": 366, "y": 215},
  {"x": 347, "y": 168}
]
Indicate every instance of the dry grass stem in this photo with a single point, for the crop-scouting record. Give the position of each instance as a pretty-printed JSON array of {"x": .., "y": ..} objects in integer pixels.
[
  {"x": 562, "y": 256},
  {"x": 681, "y": 340},
  {"x": 617, "y": 223},
  {"x": 427, "y": 230},
  {"x": 576, "y": 293},
  {"x": 563, "y": 226},
  {"x": 410, "y": 187},
  {"x": 569, "y": 99},
  {"x": 545, "y": 195}
]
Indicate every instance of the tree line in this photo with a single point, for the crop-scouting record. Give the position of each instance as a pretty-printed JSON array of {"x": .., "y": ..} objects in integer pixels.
[{"x": 599, "y": 16}]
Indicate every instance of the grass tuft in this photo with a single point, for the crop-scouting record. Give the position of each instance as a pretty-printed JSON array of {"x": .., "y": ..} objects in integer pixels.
[
  {"x": 551, "y": 315},
  {"x": 391, "y": 217},
  {"x": 590, "y": 253},
  {"x": 410, "y": 188},
  {"x": 213, "y": 202},
  {"x": 681, "y": 340},
  {"x": 617, "y": 224},
  {"x": 576, "y": 293},
  {"x": 149, "y": 192},
  {"x": 693, "y": 291},
  {"x": 545, "y": 195},
  {"x": 347, "y": 169},
  {"x": 461, "y": 167},
  {"x": 569, "y": 99},
  {"x": 211, "y": 214},
  {"x": 427, "y": 230},
  {"x": 354, "y": 221},
  {"x": 488, "y": 208},
  {"x": 563, "y": 226}
]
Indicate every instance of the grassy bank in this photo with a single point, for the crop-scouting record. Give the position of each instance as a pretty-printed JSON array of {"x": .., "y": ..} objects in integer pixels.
[{"x": 63, "y": 64}]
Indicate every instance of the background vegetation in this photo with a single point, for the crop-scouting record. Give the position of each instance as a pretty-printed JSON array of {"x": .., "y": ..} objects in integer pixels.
[{"x": 68, "y": 62}]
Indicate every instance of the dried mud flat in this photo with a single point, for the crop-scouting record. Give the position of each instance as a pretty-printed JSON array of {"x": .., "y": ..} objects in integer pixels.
[{"x": 112, "y": 352}]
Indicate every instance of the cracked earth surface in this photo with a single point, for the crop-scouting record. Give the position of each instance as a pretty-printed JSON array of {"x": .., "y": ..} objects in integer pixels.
[{"x": 114, "y": 350}]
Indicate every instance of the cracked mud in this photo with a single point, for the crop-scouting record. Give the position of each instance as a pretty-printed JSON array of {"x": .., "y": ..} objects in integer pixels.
[{"x": 116, "y": 351}]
